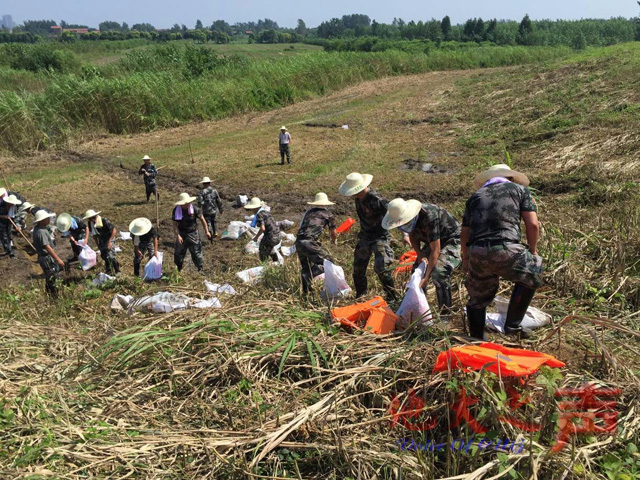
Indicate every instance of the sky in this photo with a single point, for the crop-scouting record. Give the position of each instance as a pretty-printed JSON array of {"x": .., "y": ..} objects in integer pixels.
[{"x": 164, "y": 13}]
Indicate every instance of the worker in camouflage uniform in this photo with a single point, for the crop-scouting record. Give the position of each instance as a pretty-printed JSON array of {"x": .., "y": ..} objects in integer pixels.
[
  {"x": 185, "y": 222},
  {"x": 211, "y": 205},
  {"x": 310, "y": 252},
  {"x": 103, "y": 233},
  {"x": 48, "y": 259},
  {"x": 372, "y": 239},
  {"x": 27, "y": 207},
  {"x": 145, "y": 242},
  {"x": 435, "y": 236},
  {"x": 9, "y": 205},
  {"x": 267, "y": 228},
  {"x": 74, "y": 228},
  {"x": 150, "y": 173},
  {"x": 492, "y": 248}
]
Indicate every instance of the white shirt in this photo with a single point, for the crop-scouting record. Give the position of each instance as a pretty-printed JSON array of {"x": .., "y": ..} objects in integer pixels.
[{"x": 285, "y": 138}]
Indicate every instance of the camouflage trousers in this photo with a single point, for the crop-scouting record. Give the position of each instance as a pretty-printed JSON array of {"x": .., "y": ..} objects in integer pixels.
[
  {"x": 108, "y": 255},
  {"x": 150, "y": 189},
  {"x": 212, "y": 222},
  {"x": 312, "y": 256},
  {"x": 487, "y": 265},
  {"x": 51, "y": 274},
  {"x": 146, "y": 250},
  {"x": 191, "y": 242},
  {"x": 448, "y": 260},
  {"x": 380, "y": 248},
  {"x": 76, "y": 249},
  {"x": 265, "y": 249},
  {"x": 5, "y": 236},
  {"x": 284, "y": 150}
]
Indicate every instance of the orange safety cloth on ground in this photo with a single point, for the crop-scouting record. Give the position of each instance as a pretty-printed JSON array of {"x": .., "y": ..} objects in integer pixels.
[
  {"x": 406, "y": 262},
  {"x": 374, "y": 316},
  {"x": 507, "y": 362},
  {"x": 346, "y": 225}
]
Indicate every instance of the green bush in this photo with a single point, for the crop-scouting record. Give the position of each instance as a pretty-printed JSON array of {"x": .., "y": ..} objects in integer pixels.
[{"x": 38, "y": 57}]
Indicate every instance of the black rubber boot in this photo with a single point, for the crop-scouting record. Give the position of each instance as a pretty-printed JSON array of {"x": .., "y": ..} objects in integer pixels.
[
  {"x": 443, "y": 292},
  {"x": 477, "y": 318},
  {"x": 520, "y": 300}
]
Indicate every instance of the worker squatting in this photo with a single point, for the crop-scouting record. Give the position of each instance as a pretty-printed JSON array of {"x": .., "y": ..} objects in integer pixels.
[{"x": 487, "y": 244}]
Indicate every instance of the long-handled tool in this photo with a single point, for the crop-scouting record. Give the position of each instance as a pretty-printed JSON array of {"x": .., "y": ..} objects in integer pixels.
[{"x": 22, "y": 233}]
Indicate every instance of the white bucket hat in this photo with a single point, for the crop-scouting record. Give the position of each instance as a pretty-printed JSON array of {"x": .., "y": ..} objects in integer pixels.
[
  {"x": 146, "y": 157},
  {"x": 321, "y": 200},
  {"x": 63, "y": 222},
  {"x": 283, "y": 128},
  {"x": 3, "y": 192},
  {"x": 140, "y": 226},
  {"x": 254, "y": 203},
  {"x": 27, "y": 206},
  {"x": 13, "y": 200},
  {"x": 90, "y": 214},
  {"x": 184, "y": 199},
  {"x": 355, "y": 183},
  {"x": 400, "y": 212},
  {"x": 205, "y": 180},
  {"x": 42, "y": 215},
  {"x": 500, "y": 170}
]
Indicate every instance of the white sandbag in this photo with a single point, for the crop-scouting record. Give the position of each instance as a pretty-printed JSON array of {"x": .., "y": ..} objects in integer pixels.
[
  {"x": 534, "y": 318},
  {"x": 121, "y": 302},
  {"x": 288, "y": 251},
  {"x": 217, "y": 288},
  {"x": 125, "y": 236},
  {"x": 88, "y": 258},
  {"x": 288, "y": 237},
  {"x": 249, "y": 218},
  {"x": 414, "y": 307},
  {"x": 167, "y": 302},
  {"x": 335, "y": 284},
  {"x": 102, "y": 278},
  {"x": 153, "y": 268},
  {"x": 345, "y": 127},
  {"x": 241, "y": 200},
  {"x": 276, "y": 250},
  {"x": 251, "y": 275},
  {"x": 117, "y": 249},
  {"x": 252, "y": 248},
  {"x": 212, "y": 302},
  {"x": 285, "y": 224},
  {"x": 234, "y": 231}
]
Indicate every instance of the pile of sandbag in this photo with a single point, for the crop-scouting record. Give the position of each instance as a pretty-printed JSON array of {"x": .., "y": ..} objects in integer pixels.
[{"x": 161, "y": 302}]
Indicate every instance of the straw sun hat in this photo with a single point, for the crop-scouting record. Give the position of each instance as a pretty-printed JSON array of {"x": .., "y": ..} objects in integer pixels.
[
  {"x": 90, "y": 214},
  {"x": 42, "y": 215},
  {"x": 140, "y": 226},
  {"x": 400, "y": 212},
  {"x": 283, "y": 128},
  {"x": 3, "y": 192},
  {"x": 500, "y": 170},
  {"x": 321, "y": 200},
  {"x": 27, "y": 206},
  {"x": 13, "y": 200},
  {"x": 146, "y": 157},
  {"x": 184, "y": 199},
  {"x": 205, "y": 180},
  {"x": 254, "y": 203},
  {"x": 63, "y": 222},
  {"x": 355, "y": 183}
]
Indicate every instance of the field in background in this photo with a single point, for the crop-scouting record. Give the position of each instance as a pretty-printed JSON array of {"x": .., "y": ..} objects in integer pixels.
[{"x": 90, "y": 392}]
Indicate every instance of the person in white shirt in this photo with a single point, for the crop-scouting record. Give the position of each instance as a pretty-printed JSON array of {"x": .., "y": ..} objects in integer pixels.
[{"x": 285, "y": 141}]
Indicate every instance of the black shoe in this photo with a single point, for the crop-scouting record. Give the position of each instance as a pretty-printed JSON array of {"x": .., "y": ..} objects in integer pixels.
[
  {"x": 520, "y": 300},
  {"x": 12, "y": 255},
  {"x": 476, "y": 318}
]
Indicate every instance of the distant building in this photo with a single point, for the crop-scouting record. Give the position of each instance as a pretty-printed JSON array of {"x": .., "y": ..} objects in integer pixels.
[
  {"x": 7, "y": 22},
  {"x": 248, "y": 32},
  {"x": 57, "y": 30}
]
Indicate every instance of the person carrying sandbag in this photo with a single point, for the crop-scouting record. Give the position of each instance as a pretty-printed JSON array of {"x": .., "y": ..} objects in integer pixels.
[
  {"x": 310, "y": 252},
  {"x": 48, "y": 259},
  {"x": 145, "y": 242},
  {"x": 185, "y": 224},
  {"x": 103, "y": 233},
  {"x": 435, "y": 236},
  {"x": 268, "y": 228}
]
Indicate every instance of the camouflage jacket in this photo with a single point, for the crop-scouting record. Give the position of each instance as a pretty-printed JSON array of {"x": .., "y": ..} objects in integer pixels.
[
  {"x": 152, "y": 171},
  {"x": 209, "y": 201},
  {"x": 271, "y": 230},
  {"x": 435, "y": 223},
  {"x": 314, "y": 222},
  {"x": 371, "y": 210}
]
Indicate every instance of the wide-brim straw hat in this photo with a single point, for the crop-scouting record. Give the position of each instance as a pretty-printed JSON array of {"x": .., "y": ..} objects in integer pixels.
[
  {"x": 13, "y": 200},
  {"x": 400, "y": 212},
  {"x": 140, "y": 226},
  {"x": 184, "y": 199},
  {"x": 321, "y": 200},
  {"x": 146, "y": 157},
  {"x": 90, "y": 214},
  {"x": 27, "y": 206},
  {"x": 355, "y": 183},
  {"x": 283, "y": 128},
  {"x": 500, "y": 170},
  {"x": 3, "y": 191},
  {"x": 205, "y": 180},
  {"x": 63, "y": 222},
  {"x": 42, "y": 215},
  {"x": 254, "y": 203}
]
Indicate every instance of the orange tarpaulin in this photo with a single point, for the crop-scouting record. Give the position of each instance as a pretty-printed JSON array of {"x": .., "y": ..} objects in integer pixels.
[
  {"x": 508, "y": 362},
  {"x": 406, "y": 262},
  {"x": 374, "y": 316},
  {"x": 346, "y": 225}
]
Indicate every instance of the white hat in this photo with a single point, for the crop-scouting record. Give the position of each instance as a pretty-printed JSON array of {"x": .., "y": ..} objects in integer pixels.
[
  {"x": 355, "y": 183},
  {"x": 205, "y": 180},
  {"x": 90, "y": 214},
  {"x": 283, "y": 128},
  {"x": 321, "y": 200},
  {"x": 42, "y": 215},
  {"x": 500, "y": 170},
  {"x": 140, "y": 226},
  {"x": 146, "y": 157},
  {"x": 27, "y": 206},
  {"x": 3, "y": 192},
  {"x": 400, "y": 212},
  {"x": 13, "y": 200},
  {"x": 254, "y": 203},
  {"x": 184, "y": 199},
  {"x": 63, "y": 222}
]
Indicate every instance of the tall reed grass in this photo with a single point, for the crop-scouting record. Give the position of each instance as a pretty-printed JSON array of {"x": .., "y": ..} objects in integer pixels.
[{"x": 141, "y": 93}]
